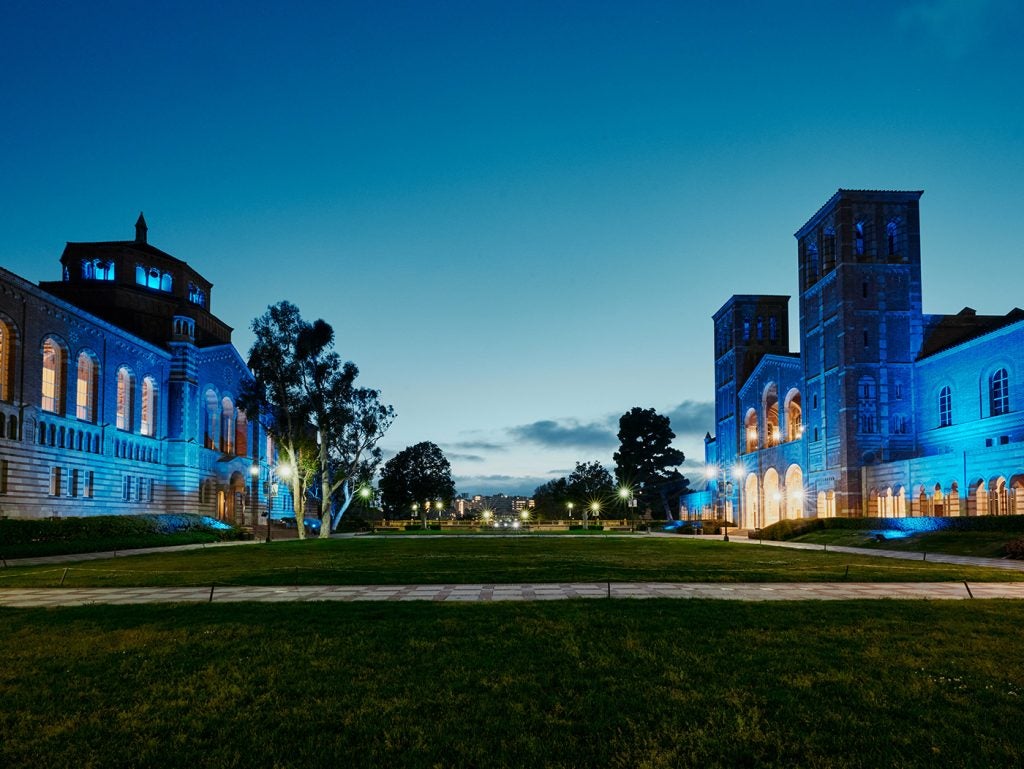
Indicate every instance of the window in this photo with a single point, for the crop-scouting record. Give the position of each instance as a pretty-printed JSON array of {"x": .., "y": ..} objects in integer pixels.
[
  {"x": 140, "y": 487},
  {"x": 98, "y": 269},
  {"x": 196, "y": 295},
  {"x": 3, "y": 476},
  {"x": 858, "y": 242},
  {"x": 760, "y": 329},
  {"x": 864, "y": 290},
  {"x": 866, "y": 406},
  {"x": 891, "y": 236},
  {"x": 6, "y": 357},
  {"x": 148, "y": 424},
  {"x": 773, "y": 330},
  {"x": 55, "y": 480},
  {"x": 151, "y": 277},
  {"x": 85, "y": 390},
  {"x": 125, "y": 398},
  {"x": 945, "y": 407},
  {"x": 126, "y": 489},
  {"x": 73, "y": 484},
  {"x": 89, "y": 480},
  {"x": 865, "y": 338},
  {"x": 746, "y": 329},
  {"x": 53, "y": 376},
  {"x": 149, "y": 490},
  {"x": 999, "y": 393},
  {"x": 210, "y": 437},
  {"x": 227, "y": 426}
]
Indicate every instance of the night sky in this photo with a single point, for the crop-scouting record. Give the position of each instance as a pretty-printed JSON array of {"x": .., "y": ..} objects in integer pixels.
[{"x": 519, "y": 217}]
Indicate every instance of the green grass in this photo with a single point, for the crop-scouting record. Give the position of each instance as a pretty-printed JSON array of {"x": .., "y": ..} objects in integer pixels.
[
  {"x": 985, "y": 544},
  {"x": 415, "y": 560},
  {"x": 570, "y": 684}
]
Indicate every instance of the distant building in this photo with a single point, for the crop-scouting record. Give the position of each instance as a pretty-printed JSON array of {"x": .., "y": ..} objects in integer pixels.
[
  {"x": 885, "y": 411},
  {"x": 118, "y": 390}
]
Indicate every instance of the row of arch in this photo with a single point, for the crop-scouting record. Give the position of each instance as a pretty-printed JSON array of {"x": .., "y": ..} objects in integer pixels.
[
  {"x": 768, "y": 421},
  {"x": 999, "y": 495},
  {"x": 772, "y": 498},
  {"x": 50, "y": 434}
]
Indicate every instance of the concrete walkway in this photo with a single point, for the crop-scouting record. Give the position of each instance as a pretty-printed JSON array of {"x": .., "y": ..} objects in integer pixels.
[{"x": 780, "y": 591}]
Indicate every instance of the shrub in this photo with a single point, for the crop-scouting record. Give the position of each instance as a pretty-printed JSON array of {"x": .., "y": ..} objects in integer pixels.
[
  {"x": 108, "y": 527},
  {"x": 1014, "y": 548},
  {"x": 789, "y": 529}
]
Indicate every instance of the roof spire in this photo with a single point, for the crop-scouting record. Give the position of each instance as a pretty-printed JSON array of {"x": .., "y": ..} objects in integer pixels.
[{"x": 141, "y": 229}]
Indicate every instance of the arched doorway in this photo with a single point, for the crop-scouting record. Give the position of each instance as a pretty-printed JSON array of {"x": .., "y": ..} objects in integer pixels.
[
  {"x": 751, "y": 493},
  {"x": 1017, "y": 495},
  {"x": 794, "y": 492},
  {"x": 770, "y": 405},
  {"x": 998, "y": 497},
  {"x": 938, "y": 506},
  {"x": 794, "y": 416},
  {"x": 772, "y": 497},
  {"x": 977, "y": 498},
  {"x": 235, "y": 508},
  {"x": 953, "y": 501},
  {"x": 900, "y": 503}
]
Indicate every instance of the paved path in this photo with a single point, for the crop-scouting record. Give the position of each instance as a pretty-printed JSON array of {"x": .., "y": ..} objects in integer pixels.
[{"x": 780, "y": 591}]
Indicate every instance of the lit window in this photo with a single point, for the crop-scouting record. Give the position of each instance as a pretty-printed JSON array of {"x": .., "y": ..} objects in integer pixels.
[
  {"x": 945, "y": 407},
  {"x": 125, "y": 398},
  {"x": 859, "y": 238},
  {"x": 227, "y": 426},
  {"x": 53, "y": 376},
  {"x": 85, "y": 390},
  {"x": 210, "y": 437},
  {"x": 55, "y": 481},
  {"x": 148, "y": 424},
  {"x": 999, "y": 393},
  {"x": 6, "y": 355}
]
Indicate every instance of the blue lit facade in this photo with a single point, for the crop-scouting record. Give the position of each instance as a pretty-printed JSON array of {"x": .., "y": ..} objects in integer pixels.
[
  {"x": 885, "y": 411},
  {"x": 118, "y": 390}
]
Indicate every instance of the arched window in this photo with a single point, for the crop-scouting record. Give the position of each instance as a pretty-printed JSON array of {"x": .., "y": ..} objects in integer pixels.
[
  {"x": 773, "y": 328},
  {"x": 751, "y": 427},
  {"x": 227, "y": 425},
  {"x": 858, "y": 243},
  {"x": 746, "y": 329},
  {"x": 999, "y": 393},
  {"x": 210, "y": 436},
  {"x": 241, "y": 433},
  {"x": 6, "y": 361},
  {"x": 85, "y": 387},
  {"x": 770, "y": 404},
  {"x": 813, "y": 262},
  {"x": 125, "y": 398},
  {"x": 794, "y": 416},
  {"x": 945, "y": 407},
  {"x": 53, "y": 376},
  {"x": 166, "y": 282},
  {"x": 148, "y": 423},
  {"x": 892, "y": 238},
  {"x": 760, "y": 329}
]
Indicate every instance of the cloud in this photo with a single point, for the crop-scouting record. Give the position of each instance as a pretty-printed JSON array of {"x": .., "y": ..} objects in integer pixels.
[
  {"x": 956, "y": 26},
  {"x": 566, "y": 433},
  {"x": 522, "y": 485},
  {"x": 693, "y": 418},
  {"x": 456, "y": 457},
  {"x": 477, "y": 446}
]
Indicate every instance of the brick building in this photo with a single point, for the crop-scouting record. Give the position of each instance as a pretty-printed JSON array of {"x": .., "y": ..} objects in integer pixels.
[
  {"x": 885, "y": 411},
  {"x": 118, "y": 389}
]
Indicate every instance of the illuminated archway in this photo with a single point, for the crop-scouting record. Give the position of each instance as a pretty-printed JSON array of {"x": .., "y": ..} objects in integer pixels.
[
  {"x": 751, "y": 494},
  {"x": 772, "y": 497},
  {"x": 953, "y": 501},
  {"x": 794, "y": 416},
  {"x": 1017, "y": 495},
  {"x": 794, "y": 492},
  {"x": 998, "y": 501},
  {"x": 977, "y": 498},
  {"x": 770, "y": 405},
  {"x": 938, "y": 506},
  {"x": 750, "y": 423}
]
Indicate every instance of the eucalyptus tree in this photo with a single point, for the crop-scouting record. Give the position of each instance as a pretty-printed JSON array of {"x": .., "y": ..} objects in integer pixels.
[{"x": 325, "y": 427}]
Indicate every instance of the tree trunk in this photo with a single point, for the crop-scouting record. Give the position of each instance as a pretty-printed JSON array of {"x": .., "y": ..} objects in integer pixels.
[
  {"x": 344, "y": 505},
  {"x": 297, "y": 504},
  {"x": 325, "y": 495}
]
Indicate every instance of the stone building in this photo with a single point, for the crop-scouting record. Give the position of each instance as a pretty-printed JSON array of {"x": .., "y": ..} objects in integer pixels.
[
  {"x": 118, "y": 389},
  {"x": 885, "y": 411}
]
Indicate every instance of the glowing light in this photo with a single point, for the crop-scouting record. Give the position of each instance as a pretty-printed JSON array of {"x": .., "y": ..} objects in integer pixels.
[
  {"x": 624, "y": 492},
  {"x": 710, "y": 472},
  {"x": 738, "y": 472},
  {"x": 797, "y": 495},
  {"x": 365, "y": 492},
  {"x": 595, "y": 506},
  {"x": 776, "y": 496},
  {"x": 254, "y": 470}
]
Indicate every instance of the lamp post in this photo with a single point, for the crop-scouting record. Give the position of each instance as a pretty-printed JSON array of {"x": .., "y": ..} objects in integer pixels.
[
  {"x": 569, "y": 505},
  {"x": 254, "y": 471},
  {"x": 596, "y": 507},
  {"x": 628, "y": 502},
  {"x": 415, "y": 508}
]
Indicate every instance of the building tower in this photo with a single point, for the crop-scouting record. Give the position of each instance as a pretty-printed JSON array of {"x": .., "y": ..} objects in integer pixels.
[{"x": 861, "y": 330}]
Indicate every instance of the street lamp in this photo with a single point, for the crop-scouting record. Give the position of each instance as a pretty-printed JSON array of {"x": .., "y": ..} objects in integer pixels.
[
  {"x": 596, "y": 507},
  {"x": 569, "y": 505},
  {"x": 628, "y": 501},
  {"x": 415, "y": 508},
  {"x": 254, "y": 471}
]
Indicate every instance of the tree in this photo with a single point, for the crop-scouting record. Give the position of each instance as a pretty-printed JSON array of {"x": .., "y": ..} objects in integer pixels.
[
  {"x": 418, "y": 475},
  {"x": 550, "y": 499},
  {"x": 324, "y": 426},
  {"x": 646, "y": 460},
  {"x": 590, "y": 483}
]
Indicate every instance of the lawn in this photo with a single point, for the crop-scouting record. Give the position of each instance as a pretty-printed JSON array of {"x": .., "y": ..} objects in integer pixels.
[
  {"x": 573, "y": 684},
  {"x": 416, "y": 560},
  {"x": 986, "y": 544}
]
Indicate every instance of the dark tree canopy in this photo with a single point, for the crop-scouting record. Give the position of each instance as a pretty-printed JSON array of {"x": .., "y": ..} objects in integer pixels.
[
  {"x": 646, "y": 460},
  {"x": 590, "y": 482},
  {"x": 418, "y": 474},
  {"x": 550, "y": 499}
]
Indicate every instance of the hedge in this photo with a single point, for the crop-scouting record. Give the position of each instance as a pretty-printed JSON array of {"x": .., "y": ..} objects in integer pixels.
[
  {"x": 17, "y": 531},
  {"x": 789, "y": 529}
]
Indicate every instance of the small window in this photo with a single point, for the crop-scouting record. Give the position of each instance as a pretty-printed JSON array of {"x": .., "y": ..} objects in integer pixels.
[
  {"x": 760, "y": 329},
  {"x": 859, "y": 238},
  {"x": 56, "y": 476},
  {"x": 814, "y": 400},
  {"x": 73, "y": 484},
  {"x": 746, "y": 329},
  {"x": 891, "y": 236},
  {"x": 988, "y": 443},
  {"x": 865, "y": 339},
  {"x": 1004, "y": 439},
  {"x": 126, "y": 489},
  {"x": 89, "y": 480},
  {"x": 773, "y": 330},
  {"x": 3, "y": 476},
  {"x": 815, "y": 433}
]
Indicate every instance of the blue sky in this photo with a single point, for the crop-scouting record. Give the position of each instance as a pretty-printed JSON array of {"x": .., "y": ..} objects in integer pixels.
[{"x": 519, "y": 217}]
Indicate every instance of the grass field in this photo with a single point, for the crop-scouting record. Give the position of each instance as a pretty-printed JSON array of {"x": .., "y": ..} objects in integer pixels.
[
  {"x": 416, "y": 560},
  {"x": 986, "y": 544},
  {"x": 574, "y": 684}
]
